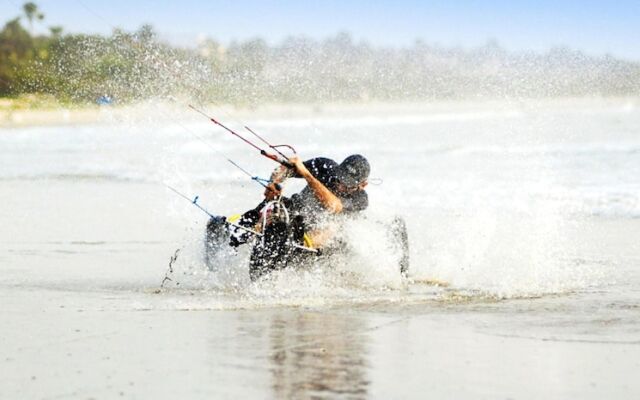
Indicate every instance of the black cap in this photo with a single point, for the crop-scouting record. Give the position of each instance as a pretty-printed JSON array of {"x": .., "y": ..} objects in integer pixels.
[{"x": 353, "y": 170}]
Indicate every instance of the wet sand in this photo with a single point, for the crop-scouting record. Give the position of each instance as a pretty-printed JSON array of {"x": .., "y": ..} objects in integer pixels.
[
  {"x": 81, "y": 317},
  {"x": 90, "y": 345}
]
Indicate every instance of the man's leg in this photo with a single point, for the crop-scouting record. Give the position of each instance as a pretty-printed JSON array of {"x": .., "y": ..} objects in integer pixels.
[
  {"x": 269, "y": 253},
  {"x": 248, "y": 220},
  {"x": 217, "y": 234},
  {"x": 221, "y": 239}
]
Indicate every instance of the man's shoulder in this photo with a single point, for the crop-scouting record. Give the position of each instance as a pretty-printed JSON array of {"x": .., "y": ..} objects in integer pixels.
[
  {"x": 322, "y": 168},
  {"x": 322, "y": 163}
]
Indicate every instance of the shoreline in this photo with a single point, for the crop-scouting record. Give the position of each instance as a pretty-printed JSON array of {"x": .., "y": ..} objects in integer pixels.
[{"x": 15, "y": 117}]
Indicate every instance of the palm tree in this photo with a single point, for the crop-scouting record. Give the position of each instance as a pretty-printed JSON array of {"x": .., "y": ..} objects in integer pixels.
[{"x": 32, "y": 12}]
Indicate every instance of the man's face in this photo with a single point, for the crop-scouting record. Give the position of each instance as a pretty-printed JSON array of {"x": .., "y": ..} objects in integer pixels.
[{"x": 342, "y": 188}]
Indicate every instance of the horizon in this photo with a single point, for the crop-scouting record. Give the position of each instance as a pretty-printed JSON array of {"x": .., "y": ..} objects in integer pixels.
[{"x": 594, "y": 28}]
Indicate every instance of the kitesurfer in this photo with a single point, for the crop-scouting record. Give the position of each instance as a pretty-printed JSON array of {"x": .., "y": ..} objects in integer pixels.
[
  {"x": 332, "y": 189},
  {"x": 288, "y": 230}
]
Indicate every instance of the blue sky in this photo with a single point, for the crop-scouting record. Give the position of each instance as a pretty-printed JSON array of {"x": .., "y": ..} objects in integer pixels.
[{"x": 595, "y": 27}]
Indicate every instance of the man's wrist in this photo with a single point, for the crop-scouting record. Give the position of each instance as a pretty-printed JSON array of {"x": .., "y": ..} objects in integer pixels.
[{"x": 306, "y": 174}]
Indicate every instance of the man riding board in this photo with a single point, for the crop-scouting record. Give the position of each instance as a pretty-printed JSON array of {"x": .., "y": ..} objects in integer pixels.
[{"x": 332, "y": 189}]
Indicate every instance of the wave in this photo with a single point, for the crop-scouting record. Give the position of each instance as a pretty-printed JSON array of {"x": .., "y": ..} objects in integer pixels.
[
  {"x": 92, "y": 177},
  {"x": 391, "y": 120},
  {"x": 550, "y": 149}
]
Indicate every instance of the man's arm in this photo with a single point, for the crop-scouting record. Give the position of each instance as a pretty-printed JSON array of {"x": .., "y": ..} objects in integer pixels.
[{"x": 329, "y": 200}]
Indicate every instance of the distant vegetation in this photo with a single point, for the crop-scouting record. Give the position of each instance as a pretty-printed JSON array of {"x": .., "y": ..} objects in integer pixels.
[{"x": 135, "y": 66}]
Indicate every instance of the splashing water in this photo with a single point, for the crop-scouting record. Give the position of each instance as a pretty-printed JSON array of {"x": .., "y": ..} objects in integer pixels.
[{"x": 511, "y": 219}]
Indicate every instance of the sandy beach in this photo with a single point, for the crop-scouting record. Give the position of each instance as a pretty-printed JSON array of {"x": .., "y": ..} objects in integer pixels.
[{"x": 14, "y": 114}]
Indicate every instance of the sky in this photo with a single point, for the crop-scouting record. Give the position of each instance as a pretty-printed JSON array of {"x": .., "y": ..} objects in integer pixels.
[{"x": 594, "y": 27}]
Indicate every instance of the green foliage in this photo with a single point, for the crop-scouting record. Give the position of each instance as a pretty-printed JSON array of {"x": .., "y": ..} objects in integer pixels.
[{"x": 16, "y": 49}]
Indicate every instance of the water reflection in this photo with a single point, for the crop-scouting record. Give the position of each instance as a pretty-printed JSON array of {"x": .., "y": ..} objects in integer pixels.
[{"x": 318, "y": 355}]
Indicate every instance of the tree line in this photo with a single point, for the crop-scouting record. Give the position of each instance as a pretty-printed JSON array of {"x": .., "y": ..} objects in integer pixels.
[{"x": 130, "y": 66}]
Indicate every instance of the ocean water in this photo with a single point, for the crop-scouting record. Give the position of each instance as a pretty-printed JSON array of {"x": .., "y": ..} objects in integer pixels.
[{"x": 525, "y": 214}]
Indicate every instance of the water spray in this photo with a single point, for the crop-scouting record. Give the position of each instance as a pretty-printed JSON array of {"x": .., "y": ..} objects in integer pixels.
[
  {"x": 284, "y": 160},
  {"x": 169, "y": 273}
]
